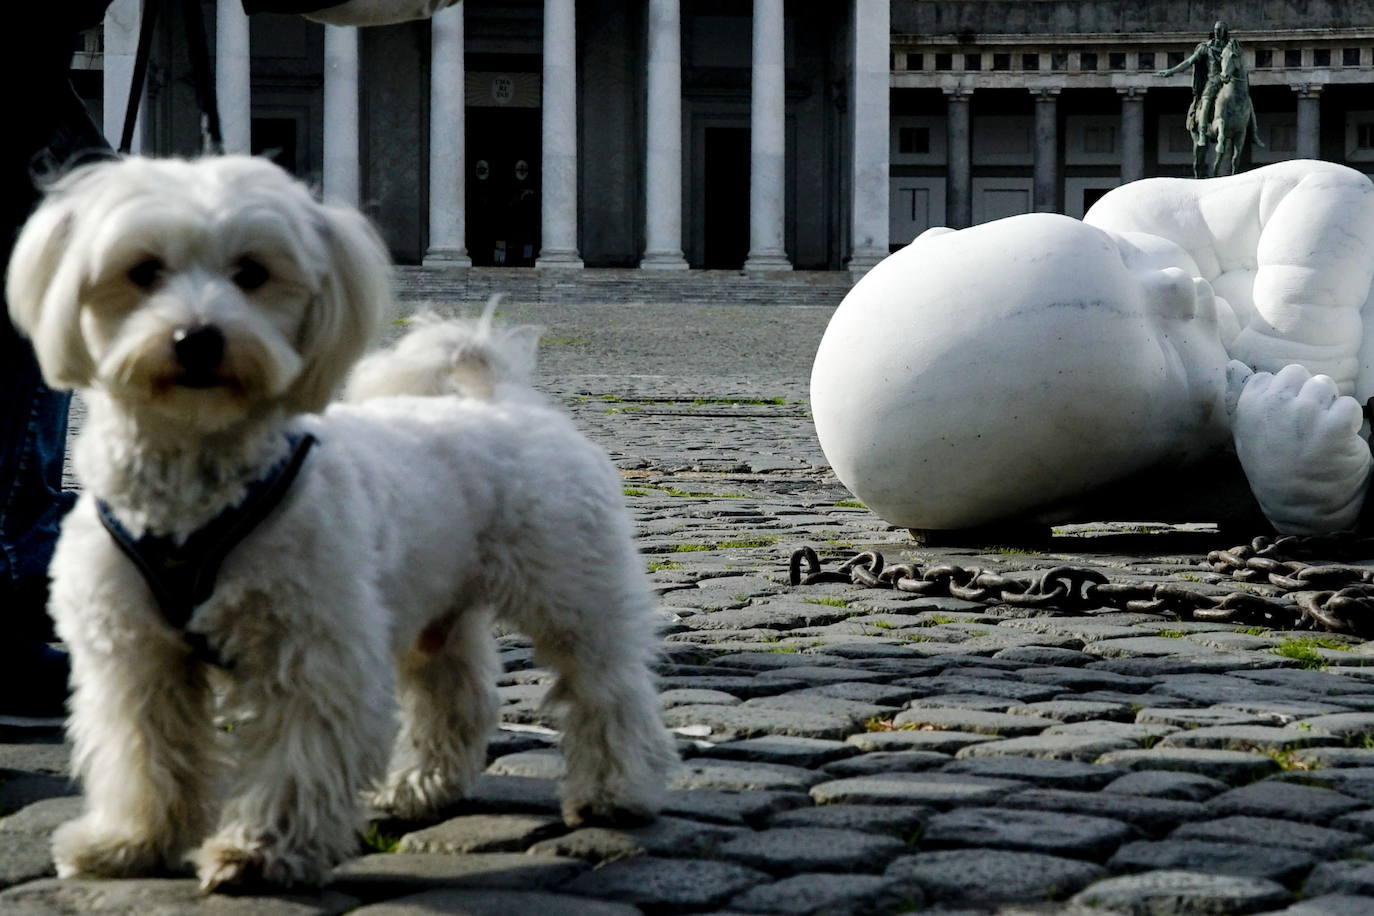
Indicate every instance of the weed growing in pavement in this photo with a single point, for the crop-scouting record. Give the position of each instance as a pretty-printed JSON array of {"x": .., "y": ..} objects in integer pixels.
[
  {"x": 934, "y": 620},
  {"x": 378, "y": 841},
  {"x": 747, "y": 542},
  {"x": 1012, "y": 551},
  {"x": 883, "y": 624},
  {"x": 850, "y": 504},
  {"x": 831, "y": 602},
  {"x": 690, "y": 548},
  {"x": 662, "y": 565},
  {"x": 635, "y": 491},
  {"x": 1171, "y": 634},
  {"x": 1286, "y": 760},
  {"x": 1304, "y": 649},
  {"x": 1253, "y": 631}
]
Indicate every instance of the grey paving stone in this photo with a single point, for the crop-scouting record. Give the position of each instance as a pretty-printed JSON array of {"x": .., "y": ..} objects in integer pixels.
[
  {"x": 688, "y": 696},
  {"x": 392, "y": 874},
  {"x": 827, "y": 674},
  {"x": 495, "y": 903},
  {"x": 1181, "y": 786},
  {"x": 1235, "y": 767},
  {"x": 944, "y": 742},
  {"x": 1045, "y": 655},
  {"x": 863, "y": 692},
  {"x": 42, "y": 817},
  {"x": 1246, "y": 738},
  {"x": 811, "y": 704},
  {"x": 1264, "y": 831},
  {"x": 1139, "y": 735},
  {"x": 937, "y": 790},
  {"x": 998, "y": 687},
  {"x": 1053, "y": 833},
  {"x": 784, "y": 749},
  {"x": 1046, "y": 773},
  {"x": 977, "y": 877},
  {"x": 1146, "y": 646},
  {"x": 852, "y": 895},
  {"x": 1133, "y": 700},
  {"x": 542, "y": 763},
  {"x": 1356, "y": 822},
  {"x": 879, "y": 762},
  {"x": 797, "y": 850},
  {"x": 1331, "y": 905},
  {"x": 507, "y": 794},
  {"x": 1286, "y": 866},
  {"x": 1083, "y": 748},
  {"x": 741, "y": 775},
  {"x": 1182, "y": 893},
  {"x": 739, "y": 686},
  {"x": 1317, "y": 758},
  {"x": 1357, "y": 782},
  {"x": 1087, "y": 629},
  {"x": 1070, "y": 711},
  {"x": 979, "y": 702},
  {"x": 664, "y": 836},
  {"x": 1071, "y": 678},
  {"x": 901, "y": 821},
  {"x": 1276, "y": 798},
  {"x": 730, "y": 807},
  {"x": 482, "y": 833},
  {"x": 1347, "y": 877},
  {"x": 1350, "y": 727},
  {"x": 1206, "y": 717},
  {"x": 727, "y": 723},
  {"x": 1174, "y": 665},
  {"x": 53, "y": 897},
  {"x": 1280, "y": 713},
  {"x": 1206, "y": 689},
  {"x": 50, "y": 757},
  {"x": 1318, "y": 683},
  {"x": 666, "y": 884},
  {"x": 988, "y": 723},
  {"x": 1153, "y": 816}
]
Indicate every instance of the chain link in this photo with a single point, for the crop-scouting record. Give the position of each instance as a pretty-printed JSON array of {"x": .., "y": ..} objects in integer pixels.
[{"x": 1301, "y": 583}]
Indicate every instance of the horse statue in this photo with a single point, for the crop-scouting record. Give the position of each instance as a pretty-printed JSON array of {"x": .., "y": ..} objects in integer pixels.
[{"x": 1233, "y": 117}]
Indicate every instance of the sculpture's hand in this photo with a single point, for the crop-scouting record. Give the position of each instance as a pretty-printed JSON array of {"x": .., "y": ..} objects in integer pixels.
[{"x": 1298, "y": 440}]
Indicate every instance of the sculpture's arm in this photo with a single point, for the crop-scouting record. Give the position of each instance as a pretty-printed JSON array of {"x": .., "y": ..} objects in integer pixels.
[
  {"x": 1186, "y": 62},
  {"x": 1298, "y": 441}
]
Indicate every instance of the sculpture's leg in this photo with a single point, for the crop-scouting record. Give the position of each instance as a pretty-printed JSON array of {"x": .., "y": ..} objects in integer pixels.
[{"x": 1298, "y": 441}]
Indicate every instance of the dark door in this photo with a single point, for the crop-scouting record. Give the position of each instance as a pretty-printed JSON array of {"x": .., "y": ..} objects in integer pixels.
[
  {"x": 503, "y": 186},
  {"x": 726, "y": 213}
]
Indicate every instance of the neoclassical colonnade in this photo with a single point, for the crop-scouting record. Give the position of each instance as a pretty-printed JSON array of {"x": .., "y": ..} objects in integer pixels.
[{"x": 663, "y": 144}]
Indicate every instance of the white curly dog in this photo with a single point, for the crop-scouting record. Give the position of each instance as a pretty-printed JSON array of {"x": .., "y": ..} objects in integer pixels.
[{"x": 207, "y": 311}]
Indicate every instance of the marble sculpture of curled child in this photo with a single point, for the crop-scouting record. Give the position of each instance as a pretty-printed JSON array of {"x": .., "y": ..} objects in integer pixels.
[{"x": 1192, "y": 350}]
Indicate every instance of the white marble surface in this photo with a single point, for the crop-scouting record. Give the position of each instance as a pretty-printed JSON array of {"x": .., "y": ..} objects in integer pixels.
[{"x": 1019, "y": 369}]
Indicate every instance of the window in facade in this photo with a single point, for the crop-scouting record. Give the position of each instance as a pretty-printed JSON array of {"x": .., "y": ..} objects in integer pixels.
[
  {"x": 1145, "y": 61},
  {"x": 1292, "y": 58},
  {"x": 1030, "y": 61},
  {"x": 1059, "y": 60},
  {"x": 1175, "y": 58},
  {"x": 1364, "y": 135},
  {"x": 1087, "y": 60},
  {"x": 915, "y": 61},
  {"x": 1099, "y": 138},
  {"x": 915, "y": 140},
  {"x": 1001, "y": 61},
  {"x": 1321, "y": 57},
  {"x": 1116, "y": 60},
  {"x": 1350, "y": 57},
  {"x": 1264, "y": 58},
  {"x": 944, "y": 61},
  {"x": 973, "y": 61}
]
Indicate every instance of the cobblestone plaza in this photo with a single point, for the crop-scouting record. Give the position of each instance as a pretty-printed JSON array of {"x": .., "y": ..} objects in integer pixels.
[{"x": 848, "y": 750}]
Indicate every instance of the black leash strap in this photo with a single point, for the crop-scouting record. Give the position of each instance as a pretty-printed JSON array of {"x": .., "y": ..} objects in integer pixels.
[
  {"x": 198, "y": 48},
  {"x": 182, "y": 576}
]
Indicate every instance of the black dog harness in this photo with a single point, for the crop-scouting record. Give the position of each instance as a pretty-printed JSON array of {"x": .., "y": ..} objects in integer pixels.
[{"x": 182, "y": 576}]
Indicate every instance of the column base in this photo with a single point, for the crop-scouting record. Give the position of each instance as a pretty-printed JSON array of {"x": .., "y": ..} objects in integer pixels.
[
  {"x": 864, "y": 259},
  {"x": 446, "y": 257},
  {"x": 566, "y": 259},
  {"x": 760, "y": 261},
  {"x": 663, "y": 260}
]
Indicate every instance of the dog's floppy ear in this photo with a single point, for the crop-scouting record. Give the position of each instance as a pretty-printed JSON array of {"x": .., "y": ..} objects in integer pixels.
[
  {"x": 43, "y": 288},
  {"x": 347, "y": 314}
]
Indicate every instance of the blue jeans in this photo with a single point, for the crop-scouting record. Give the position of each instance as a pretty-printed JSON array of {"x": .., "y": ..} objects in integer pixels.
[{"x": 33, "y": 437}]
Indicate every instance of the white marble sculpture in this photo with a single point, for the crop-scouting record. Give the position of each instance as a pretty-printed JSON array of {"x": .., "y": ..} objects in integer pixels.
[{"x": 1044, "y": 369}]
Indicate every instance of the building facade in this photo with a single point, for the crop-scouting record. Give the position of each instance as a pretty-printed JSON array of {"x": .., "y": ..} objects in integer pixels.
[{"x": 771, "y": 135}]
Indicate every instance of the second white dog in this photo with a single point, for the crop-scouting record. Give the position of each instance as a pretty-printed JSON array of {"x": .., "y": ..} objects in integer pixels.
[{"x": 207, "y": 310}]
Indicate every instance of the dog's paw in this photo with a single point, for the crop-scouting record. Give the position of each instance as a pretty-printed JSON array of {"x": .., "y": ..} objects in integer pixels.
[
  {"x": 233, "y": 866},
  {"x": 82, "y": 850},
  {"x": 412, "y": 795}
]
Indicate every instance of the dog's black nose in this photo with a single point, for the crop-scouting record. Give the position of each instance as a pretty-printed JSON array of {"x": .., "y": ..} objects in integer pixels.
[{"x": 199, "y": 350}]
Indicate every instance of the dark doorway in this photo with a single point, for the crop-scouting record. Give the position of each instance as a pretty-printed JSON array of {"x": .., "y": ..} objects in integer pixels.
[
  {"x": 726, "y": 179},
  {"x": 503, "y": 186}
]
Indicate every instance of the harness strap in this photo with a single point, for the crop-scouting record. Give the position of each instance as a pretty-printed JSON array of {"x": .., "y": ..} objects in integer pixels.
[
  {"x": 182, "y": 576},
  {"x": 198, "y": 49}
]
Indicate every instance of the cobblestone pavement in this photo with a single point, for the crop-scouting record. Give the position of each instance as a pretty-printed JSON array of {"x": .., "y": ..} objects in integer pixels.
[{"x": 853, "y": 751}]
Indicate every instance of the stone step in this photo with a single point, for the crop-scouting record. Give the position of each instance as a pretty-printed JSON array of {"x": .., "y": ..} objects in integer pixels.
[{"x": 614, "y": 285}]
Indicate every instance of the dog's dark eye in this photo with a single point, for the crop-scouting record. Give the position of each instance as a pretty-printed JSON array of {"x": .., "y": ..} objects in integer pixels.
[
  {"x": 249, "y": 274},
  {"x": 145, "y": 273}
]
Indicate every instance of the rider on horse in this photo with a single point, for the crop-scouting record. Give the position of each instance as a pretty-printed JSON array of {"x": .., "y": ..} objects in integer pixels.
[{"x": 1207, "y": 78}]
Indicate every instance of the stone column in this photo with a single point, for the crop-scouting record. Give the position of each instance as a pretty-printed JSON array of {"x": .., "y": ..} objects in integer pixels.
[
  {"x": 663, "y": 143},
  {"x": 1132, "y": 133},
  {"x": 447, "y": 140},
  {"x": 870, "y": 110},
  {"x": 959, "y": 194},
  {"x": 558, "y": 210},
  {"x": 1045, "y": 197},
  {"x": 342, "y": 171},
  {"x": 121, "y": 44},
  {"x": 1309, "y": 121},
  {"x": 233, "y": 81},
  {"x": 767, "y": 146}
]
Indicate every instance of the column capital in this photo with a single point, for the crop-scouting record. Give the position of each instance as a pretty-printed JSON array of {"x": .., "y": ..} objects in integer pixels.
[
  {"x": 1307, "y": 90},
  {"x": 958, "y": 93},
  {"x": 1045, "y": 93},
  {"x": 1132, "y": 93}
]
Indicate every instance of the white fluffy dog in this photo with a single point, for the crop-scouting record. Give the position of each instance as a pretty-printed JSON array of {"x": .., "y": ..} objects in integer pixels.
[{"x": 207, "y": 311}]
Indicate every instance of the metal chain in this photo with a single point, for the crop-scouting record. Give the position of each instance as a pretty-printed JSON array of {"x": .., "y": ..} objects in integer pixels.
[{"x": 1306, "y": 593}]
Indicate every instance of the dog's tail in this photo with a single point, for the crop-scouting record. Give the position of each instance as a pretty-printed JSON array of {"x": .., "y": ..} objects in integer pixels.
[{"x": 467, "y": 357}]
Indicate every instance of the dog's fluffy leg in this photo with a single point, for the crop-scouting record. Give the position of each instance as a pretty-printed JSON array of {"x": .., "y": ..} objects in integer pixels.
[
  {"x": 597, "y": 631},
  {"x": 323, "y": 721},
  {"x": 448, "y": 710},
  {"x": 145, "y": 751}
]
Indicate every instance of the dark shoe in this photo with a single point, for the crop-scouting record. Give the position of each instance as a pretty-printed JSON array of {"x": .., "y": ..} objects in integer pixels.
[{"x": 33, "y": 685}]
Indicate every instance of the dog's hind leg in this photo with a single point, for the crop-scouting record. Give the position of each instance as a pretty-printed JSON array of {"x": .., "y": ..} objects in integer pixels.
[
  {"x": 145, "y": 751},
  {"x": 448, "y": 701}
]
